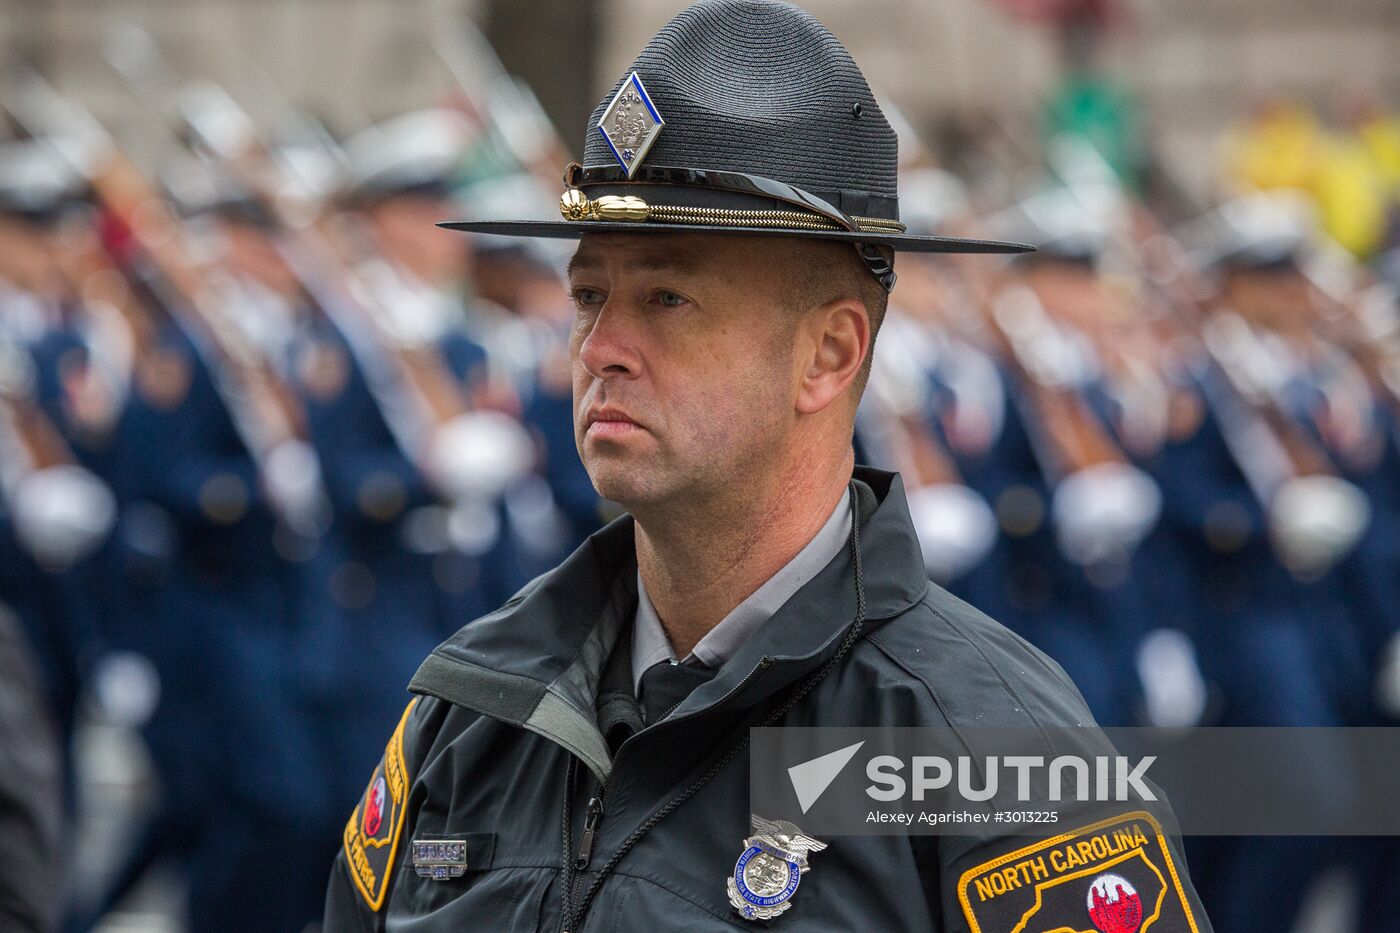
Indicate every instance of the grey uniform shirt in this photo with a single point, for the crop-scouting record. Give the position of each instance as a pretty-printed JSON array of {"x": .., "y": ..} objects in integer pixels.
[{"x": 650, "y": 645}]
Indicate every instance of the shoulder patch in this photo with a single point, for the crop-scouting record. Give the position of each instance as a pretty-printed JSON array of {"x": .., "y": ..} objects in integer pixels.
[
  {"x": 372, "y": 834},
  {"x": 1114, "y": 876}
]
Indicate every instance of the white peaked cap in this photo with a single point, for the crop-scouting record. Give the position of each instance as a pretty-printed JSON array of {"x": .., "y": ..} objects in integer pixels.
[{"x": 416, "y": 148}]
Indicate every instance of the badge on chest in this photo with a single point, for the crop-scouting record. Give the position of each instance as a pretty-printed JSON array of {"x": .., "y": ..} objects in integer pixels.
[{"x": 766, "y": 876}]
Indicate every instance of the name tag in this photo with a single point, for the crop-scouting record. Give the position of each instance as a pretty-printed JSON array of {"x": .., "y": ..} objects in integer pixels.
[{"x": 440, "y": 859}]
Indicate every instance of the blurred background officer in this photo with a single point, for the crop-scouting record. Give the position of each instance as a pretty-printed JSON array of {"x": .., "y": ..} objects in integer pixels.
[
  {"x": 267, "y": 436},
  {"x": 55, "y": 514},
  {"x": 30, "y": 808}
]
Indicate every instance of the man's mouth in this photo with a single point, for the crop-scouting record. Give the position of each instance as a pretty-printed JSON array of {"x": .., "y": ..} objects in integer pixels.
[{"x": 610, "y": 422}]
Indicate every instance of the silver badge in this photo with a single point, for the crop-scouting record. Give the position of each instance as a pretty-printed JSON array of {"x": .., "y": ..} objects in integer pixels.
[
  {"x": 440, "y": 859},
  {"x": 767, "y": 874},
  {"x": 631, "y": 124}
]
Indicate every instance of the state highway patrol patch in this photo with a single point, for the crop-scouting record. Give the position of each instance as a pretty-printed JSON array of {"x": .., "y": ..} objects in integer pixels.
[
  {"x": 1114, "y": 876},
  {"x": 372, "y": 834}
]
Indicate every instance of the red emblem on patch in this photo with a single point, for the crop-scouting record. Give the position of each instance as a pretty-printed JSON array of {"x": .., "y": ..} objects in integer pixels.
[
  {"x": 374, "y": 808},
  {"x": 1114, "y": 905}
]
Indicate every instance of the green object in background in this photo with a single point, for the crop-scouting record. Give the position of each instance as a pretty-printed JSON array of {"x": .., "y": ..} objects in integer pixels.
[{"x": 1098, "y": 110}]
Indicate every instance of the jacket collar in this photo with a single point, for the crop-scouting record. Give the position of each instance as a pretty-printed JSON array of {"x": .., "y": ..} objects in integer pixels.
[{"x": 536, "y": 662}]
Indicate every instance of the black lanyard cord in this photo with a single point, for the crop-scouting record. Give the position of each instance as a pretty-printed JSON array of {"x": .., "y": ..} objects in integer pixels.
[{"x": 573, "y": 916}]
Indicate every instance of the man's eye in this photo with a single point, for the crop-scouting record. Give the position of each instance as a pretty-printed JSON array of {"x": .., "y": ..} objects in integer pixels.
[
  {"x": 670, "y": 299},
  {"x": 586, "y": 297}
]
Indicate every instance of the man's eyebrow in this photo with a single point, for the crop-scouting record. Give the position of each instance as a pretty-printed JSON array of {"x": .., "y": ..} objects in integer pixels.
[
  {"x": 579, "y": 262},
  {"x": 669, "y": 260}
]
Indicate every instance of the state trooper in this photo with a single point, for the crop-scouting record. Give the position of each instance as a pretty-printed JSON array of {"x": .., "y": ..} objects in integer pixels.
[{"x": 574, "y": 761}]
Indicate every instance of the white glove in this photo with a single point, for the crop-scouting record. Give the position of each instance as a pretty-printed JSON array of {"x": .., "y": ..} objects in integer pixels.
[
  {"x": 956, "y": 528},
  {"x": 1171, "y": 679},
  {"x": 1104, "y": 511},
  {"x": 479, "y": 454},
  {"x": 62, "y": 513},
  {"x": 1315, "y": 521},
  {"x": 292, "y": 479},
  {"x": 1387, "y": 687}
]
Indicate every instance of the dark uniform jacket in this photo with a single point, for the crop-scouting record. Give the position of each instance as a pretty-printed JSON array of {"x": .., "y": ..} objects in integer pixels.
[{"x": 506, "y": 721}]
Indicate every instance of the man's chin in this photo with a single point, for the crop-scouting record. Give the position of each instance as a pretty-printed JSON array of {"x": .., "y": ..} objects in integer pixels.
[{"x": 630, "y": 485}]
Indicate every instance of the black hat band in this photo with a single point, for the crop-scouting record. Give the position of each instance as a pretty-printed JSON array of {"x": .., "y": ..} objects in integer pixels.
[
  {"x": 741, "y": 191},
  {"x": 616, "y": 206},
  {"x": 705, "y": 197}
]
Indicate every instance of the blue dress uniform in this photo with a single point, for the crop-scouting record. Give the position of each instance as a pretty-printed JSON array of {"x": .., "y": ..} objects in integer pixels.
[
  {"x": 58, "y": 602},
  {"x": 1089, "y": 627},
  {"x": 1025, "y": 581},
  {"x": 56, "y": 618},
  {"x": 378, "y": 593},
  {"x": 403, "y": 564},
  {"x": 497, "y": 556},
  {"x": 1091, "y": 610},
  {"x": 1004, "y": 474},
  {"x": 1124, "y": 593},
  {"x": 1258, "y": 655},
  {"x": 52, "y": 586},
  {"x": 1369, "y": 580},
  {"x": 1281, "y": 647},
  {"x": 1370, "y": 577},
  {"x": 1340, "y": 626},
  {"x": 235, "y": 767}
]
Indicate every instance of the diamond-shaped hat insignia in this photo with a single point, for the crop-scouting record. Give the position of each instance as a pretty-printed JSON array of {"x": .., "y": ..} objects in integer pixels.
[{"x": 631, "y": 124}]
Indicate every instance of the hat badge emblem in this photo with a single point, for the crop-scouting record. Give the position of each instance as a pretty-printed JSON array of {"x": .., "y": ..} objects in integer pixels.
[{"x": 630, "y": 124}]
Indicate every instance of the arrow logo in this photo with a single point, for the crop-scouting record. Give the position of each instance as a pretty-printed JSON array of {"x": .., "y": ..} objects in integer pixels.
[{"x": 811, "y": 778}]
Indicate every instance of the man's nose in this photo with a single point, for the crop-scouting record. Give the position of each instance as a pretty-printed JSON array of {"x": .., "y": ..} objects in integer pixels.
[{"x": 610, "y": 350}]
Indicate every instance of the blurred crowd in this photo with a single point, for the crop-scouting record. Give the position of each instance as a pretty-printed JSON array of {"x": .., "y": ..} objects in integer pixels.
[
  {"x": 268, "y": 436},
  {"x": 1348, "y": 164}
]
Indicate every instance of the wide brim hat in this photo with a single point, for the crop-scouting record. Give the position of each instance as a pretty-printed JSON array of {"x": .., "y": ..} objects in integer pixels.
[{"x": 741, "y": 117}]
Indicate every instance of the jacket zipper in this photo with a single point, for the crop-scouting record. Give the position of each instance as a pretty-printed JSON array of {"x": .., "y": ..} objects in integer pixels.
[
  {"x": 594, "y": 814},
  {"x": 590, "y": 826}
]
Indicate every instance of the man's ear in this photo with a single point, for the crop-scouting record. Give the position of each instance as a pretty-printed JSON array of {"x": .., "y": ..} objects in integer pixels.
[{"x": 833, "y": 341}]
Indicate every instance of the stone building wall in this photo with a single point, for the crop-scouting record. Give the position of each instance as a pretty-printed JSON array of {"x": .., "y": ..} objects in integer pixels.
[{"x": 1193, "y": 62}]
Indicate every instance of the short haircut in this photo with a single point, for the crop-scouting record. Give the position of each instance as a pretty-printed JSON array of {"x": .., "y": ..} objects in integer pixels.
[{"x": 821, "y": 272}]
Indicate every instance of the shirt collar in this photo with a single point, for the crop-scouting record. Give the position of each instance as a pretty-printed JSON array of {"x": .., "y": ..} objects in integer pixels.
[{"x": 650, "y": 645}]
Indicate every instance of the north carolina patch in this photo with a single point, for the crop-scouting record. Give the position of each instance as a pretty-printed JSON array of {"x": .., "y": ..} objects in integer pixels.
[
  {"x": 1114, "y": 876},
  {"x": 372, "y": 834}
]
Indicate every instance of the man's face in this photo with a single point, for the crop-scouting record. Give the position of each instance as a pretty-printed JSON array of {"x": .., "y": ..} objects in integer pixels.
[
  {"x": 406, "y": 225},
  {"x": 1278, "y": 298},
  {"x": 26, "y": 255},
  {"x": 251, "y": 252},
  {"x": 682, "y": 354},
  {"x": 1070, "y": 292}
]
